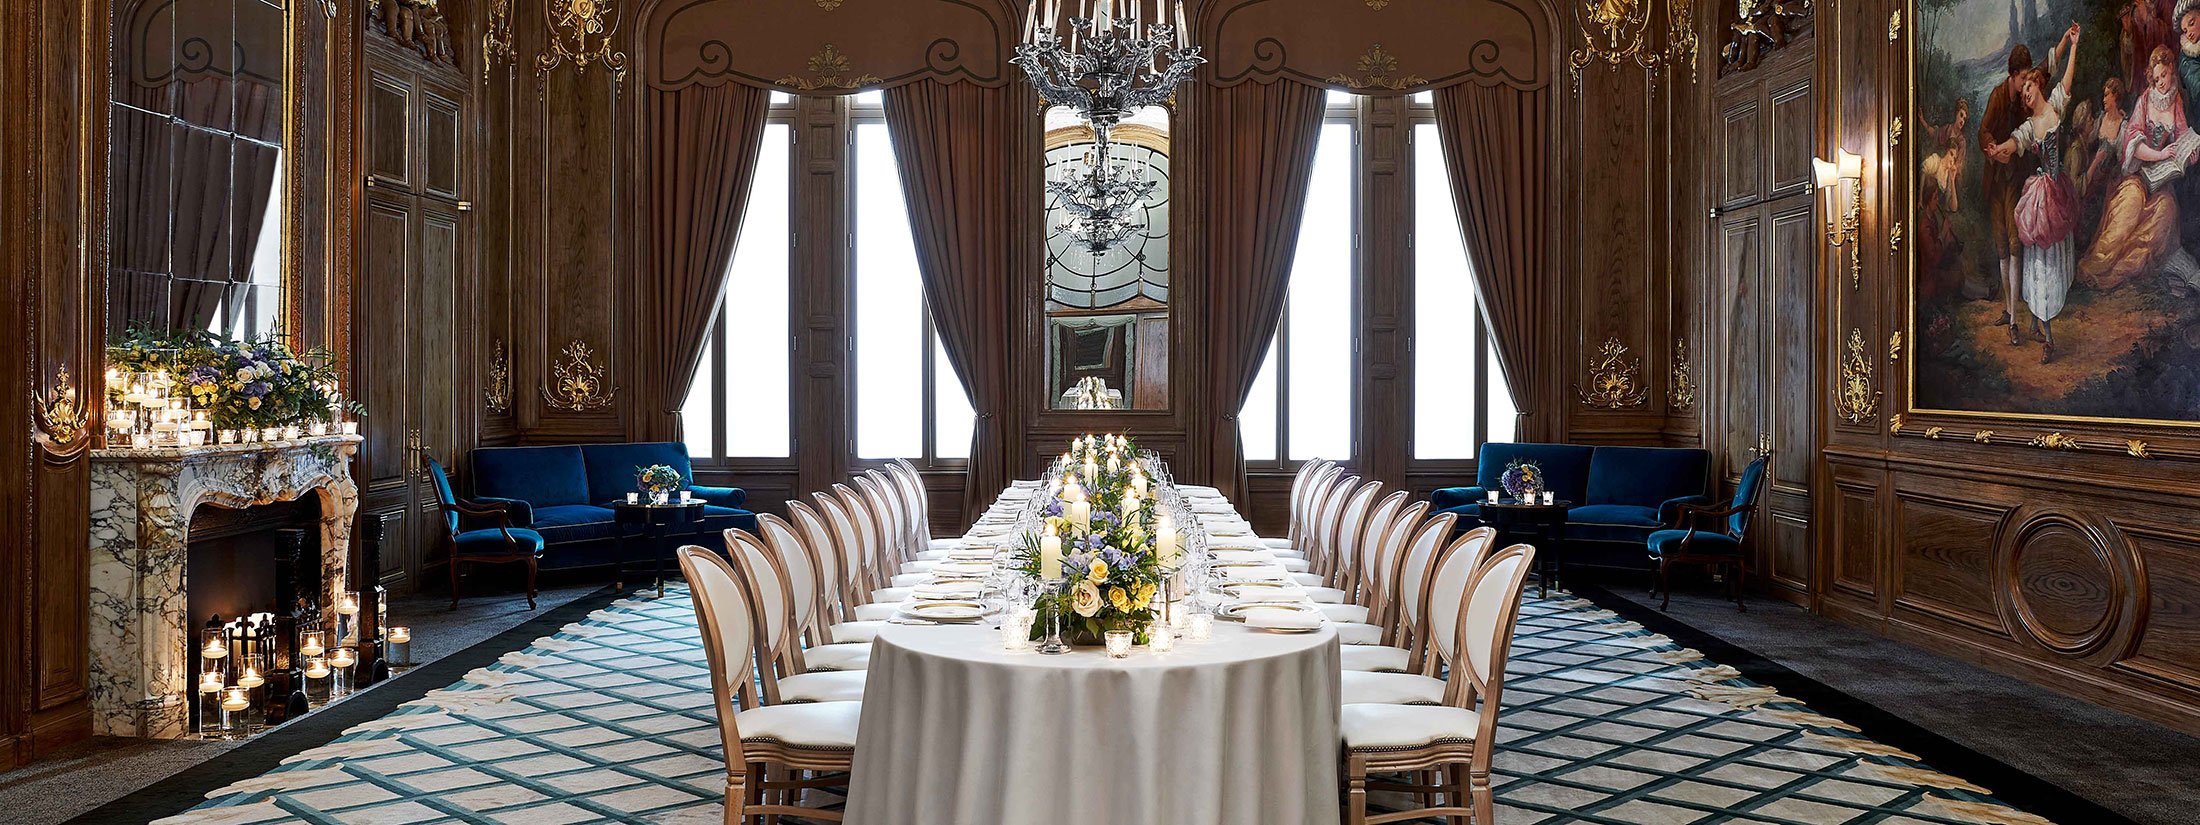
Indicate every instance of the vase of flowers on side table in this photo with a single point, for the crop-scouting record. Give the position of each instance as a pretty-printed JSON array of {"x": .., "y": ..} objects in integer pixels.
[{"x": 657, "y": 481}]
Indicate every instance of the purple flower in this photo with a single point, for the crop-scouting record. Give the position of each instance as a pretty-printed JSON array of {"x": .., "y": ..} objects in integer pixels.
[
  {"x": 1053, "y": 509},
  {"x": 257, "y": 389},
  {"x": 1111, "y": 518}
]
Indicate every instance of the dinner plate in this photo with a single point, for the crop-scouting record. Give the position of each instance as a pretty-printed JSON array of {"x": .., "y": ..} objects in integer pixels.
[
  {"x": 955, "y": 610},
  {"x": 948, "y": 591},
  {"x": 967, "y": 568},
  {"x": 1238, "y": 610},
  {"x": 1261, "y": 590},
  {"x": 1250, "y": 572}
]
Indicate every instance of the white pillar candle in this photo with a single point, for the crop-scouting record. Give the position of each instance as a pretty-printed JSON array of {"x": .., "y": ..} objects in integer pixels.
[
  {"x": 1050, "y": 556},
  {"x": 251, "y": 678}
]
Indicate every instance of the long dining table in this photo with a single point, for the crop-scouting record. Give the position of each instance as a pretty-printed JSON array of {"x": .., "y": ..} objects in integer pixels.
[{"x": 1241, "y": 727}]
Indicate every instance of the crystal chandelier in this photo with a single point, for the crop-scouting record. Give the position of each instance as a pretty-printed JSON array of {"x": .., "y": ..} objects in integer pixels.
[
  {"x": 1120, "y": 56},
  {"x": 1105, "y": 203}
]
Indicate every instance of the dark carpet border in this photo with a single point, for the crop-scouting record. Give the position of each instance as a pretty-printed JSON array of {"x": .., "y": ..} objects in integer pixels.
[
  {"x": 2009, "y": 784},
  {"x": 188, "y": 788}
]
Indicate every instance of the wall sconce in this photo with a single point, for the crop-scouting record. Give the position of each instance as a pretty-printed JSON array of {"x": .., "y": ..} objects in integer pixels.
[{"x": 1846, "y": 168}]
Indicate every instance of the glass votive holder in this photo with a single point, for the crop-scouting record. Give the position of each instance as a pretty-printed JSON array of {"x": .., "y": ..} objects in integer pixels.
[
  {"x": 1160, "y": 638},
  {"x": 1549, "y": 498},
  {"x": 1016, "y": 630},
  {"x": 228, "y": 436},
  {"x": 235, "y": 703},
  {"x": 271, "y": 434},
  {"x": 319, "y": 680},
  {"x": 312, "y": 644},
  {"x": 320, "y": 428},
  {"x": 1493, "y": 496},
  {"x": 210, "y": 704},
  {"x": 398, "y": 648},
  {"x": 350, "y": 428},
  {"x": 1119, "y": 643},
  {"x": 347, "y": 617},
  {"x": 340, "y": 662},
  {"x": 633, "y": 497},
  {"x": 291, "y": 433},
  {"x": 1201, "y": 628},
  {"x": 213, "y": 646}
]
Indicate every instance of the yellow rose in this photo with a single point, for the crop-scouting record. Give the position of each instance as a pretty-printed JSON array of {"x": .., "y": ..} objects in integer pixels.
[
  {"x": 1120, "y": 599},
  {"x": 1085, "y": 599},
  {"x": 1144, "y": 594},
  {"x": 1099, "y": 571}
]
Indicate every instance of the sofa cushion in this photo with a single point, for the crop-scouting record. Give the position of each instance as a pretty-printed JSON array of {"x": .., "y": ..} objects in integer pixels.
[
  {"x": 567, "y": 523},
  {"x": 1611, "y": 522},
  {"x": 611, "y": 467},
  {"x": 1565, "y": 466},
  {"x": 541, "y": 476},
  {"x": 716, "y": 519},
  {"x": 1645, "y": 476},
  {"x": 491, "y": 542}
]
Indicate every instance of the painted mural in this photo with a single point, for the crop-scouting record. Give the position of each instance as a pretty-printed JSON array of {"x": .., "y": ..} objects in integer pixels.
[{"x": 2057, "y": 213}]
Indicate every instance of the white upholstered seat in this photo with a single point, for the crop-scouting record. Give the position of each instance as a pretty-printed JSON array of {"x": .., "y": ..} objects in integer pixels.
[
  {"x": 838, "y": 656},
  {"x": 810, "y": 725},
  {"x": 1357, "y": 633},
  {"x": 1371, "y": 657},
  {"x": 1315, "y": 590},
  {"x": 861, "y": 630},
  {"x": 874, "y": 612},
  {"x": 822, "y": 686},
  {"x": 1391, "y": 688},
  {"x": 1356, "y": 614},
  {"x": 1377, "y": 726}
]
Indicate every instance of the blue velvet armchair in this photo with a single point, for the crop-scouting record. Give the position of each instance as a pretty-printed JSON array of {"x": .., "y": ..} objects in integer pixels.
[
  {"x": 467, "y": 540},
  {"x": 1688, "y": 539}
]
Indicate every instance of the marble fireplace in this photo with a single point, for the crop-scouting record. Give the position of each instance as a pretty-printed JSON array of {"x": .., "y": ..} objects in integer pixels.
[{"x": 142, "y": 504}]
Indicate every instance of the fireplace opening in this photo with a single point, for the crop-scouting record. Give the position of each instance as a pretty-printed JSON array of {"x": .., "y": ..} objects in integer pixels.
[{"x": 253, "y": 585}]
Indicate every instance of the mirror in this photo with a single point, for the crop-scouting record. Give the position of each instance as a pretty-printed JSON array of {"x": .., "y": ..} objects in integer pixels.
[
  {"x": 195, "y": 166},
  {"x": 1107, "y": 312}
]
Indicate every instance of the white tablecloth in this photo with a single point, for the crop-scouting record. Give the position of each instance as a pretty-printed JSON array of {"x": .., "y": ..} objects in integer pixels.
[{"x": 1241, "y": 728}]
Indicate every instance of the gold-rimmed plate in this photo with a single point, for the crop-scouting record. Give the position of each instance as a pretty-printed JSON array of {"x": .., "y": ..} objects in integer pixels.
[
  {"x": 1239, "y": 610},
  {"x": 945, "y": 610}
]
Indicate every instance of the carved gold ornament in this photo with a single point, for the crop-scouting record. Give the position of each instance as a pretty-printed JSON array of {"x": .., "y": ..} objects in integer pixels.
[
  {"x": 1983, "y": 436},
  {"x": 1894, "y": 132},
  {"x": 1857, "y": 402},
  {"x": 1614, "y": 31},
  {"x": 496, "y": 37},
  {"x": 828, "y": 5},
  {"x": 829, "y": 69},
  {"x": 1894, "y": 346},
  {"x": 580, "y": 33},
  {"x": 61, "y": 415},
  {"x": 2136, "y": 449},
  {"x": 1934, "y": 432},
  {"x": 1894, "y": 238},
  {"x": 1378, "y": 5},
  {"x": 1894, "y": 425},
  {"x": 580, "y": 384},
  {"x": 1378, "y": 70},
  {"x": 1683, "y": 394},
  {"x": 1614, "y": 379},
  {"x": 1894, "y": 26},
  {"x": 2055, "y": 441},
  {"x": 497, "y": 395}
]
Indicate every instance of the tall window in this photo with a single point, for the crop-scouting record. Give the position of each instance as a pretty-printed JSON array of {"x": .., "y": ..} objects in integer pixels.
[
  {"x": 908, "y": 401},
  {"x": 738, "y": 405},
  {"x": 1301, "y": 403},
  {"x": 1460, "y": 399}
]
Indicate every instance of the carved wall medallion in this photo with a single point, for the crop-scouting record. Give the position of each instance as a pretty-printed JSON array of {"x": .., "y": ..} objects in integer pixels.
[
  {"x": 1857, "y": 401},
  {"x": 1683, "y": 394},
  {"x": 2055, "y": 441},
  {"x": 61, "y": 415},
  {"x": 580, "y": 384},
  {"x": 496, "y": 37},
  {"x": 2068, "y": 581},
  {"x": 497, "y": 395},
  {"x": 1378, "y": 70},
  {"x": 1614, "y": 31},
  {"x": 580, "y": 33},
  {"x": 829, "y": 69},
  {"x": 1614, "y": 380}
]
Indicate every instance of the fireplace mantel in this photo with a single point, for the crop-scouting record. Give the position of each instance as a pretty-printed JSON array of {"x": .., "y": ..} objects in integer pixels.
[{"x": 142, "y": 502}]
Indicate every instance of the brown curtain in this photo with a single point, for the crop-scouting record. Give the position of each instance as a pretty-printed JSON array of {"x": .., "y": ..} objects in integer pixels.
[
  {"x": 1253, "y": 158},
  {"x": 702, "y": 156},
  {"x": 958, "y": 146},
  {"x": 1496, "y": 143}
]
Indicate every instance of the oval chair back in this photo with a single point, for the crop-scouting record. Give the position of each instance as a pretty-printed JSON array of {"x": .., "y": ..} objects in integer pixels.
[
  {"x": 798, "y": 568},
  {"x": 1345, "y": 537},
  {"x": 1299, "y": 485},
  {"x": 862, "y": 558},
  {"x": 893, "y": 529},
  {"x": 1381, "y": 520},
  {"x": 769, "y": 611},
  {"x": 1322, "y": 504},
  {"x": 1415, "y": 565},
  {"x": 1485, "y": 634},
  {"x": 880, "y": 526},
  {"x": 818, "y": 539},
  {"x": 1390, "y": 549},
  {"x": 920, "y": 511},
  {"x": 845, "y": 549},
  {"x": 1447, "y": 591},
  {"x": 722, "y": 615}
]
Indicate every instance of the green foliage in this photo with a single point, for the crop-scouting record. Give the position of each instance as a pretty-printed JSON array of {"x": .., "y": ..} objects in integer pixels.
[{"x": 253, "y": 383}]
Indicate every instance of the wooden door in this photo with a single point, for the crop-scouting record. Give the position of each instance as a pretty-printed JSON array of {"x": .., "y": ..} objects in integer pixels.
[{"x": 414, "y": 257}]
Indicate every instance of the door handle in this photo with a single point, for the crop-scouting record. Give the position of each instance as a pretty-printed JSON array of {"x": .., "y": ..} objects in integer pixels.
[
  {"x": 1764, "y": 444},
  {"x": 416, "y": 453}
]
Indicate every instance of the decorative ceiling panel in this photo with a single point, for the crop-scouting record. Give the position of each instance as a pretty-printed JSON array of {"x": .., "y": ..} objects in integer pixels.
[
  {"x": 1380, "y": 46},
  {"x": 827, "y": 46}
]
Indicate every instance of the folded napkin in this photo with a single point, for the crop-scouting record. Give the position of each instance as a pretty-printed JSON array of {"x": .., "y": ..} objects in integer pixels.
[
  {"x": 1200, "y": 490},
  {"x": 1234, "y": 554},
  {"x": 1283, "y": 619},
  {"x": 1238, "y": 543},
  {"x": 948, "y": 590},
  {"x": 1262, "y": 573}
]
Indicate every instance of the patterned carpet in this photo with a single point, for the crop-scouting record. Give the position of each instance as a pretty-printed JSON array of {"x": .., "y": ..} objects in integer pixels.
[{"x": 609, "y": 720}]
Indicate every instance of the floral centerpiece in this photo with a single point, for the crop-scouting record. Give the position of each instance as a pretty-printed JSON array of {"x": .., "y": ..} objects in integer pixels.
[
  {"x": 242, "y": 384},
  {"x": 1522, "y": 479},
  {"x": 1099, "y": 541},
  {"x": 658, "y": 480}
]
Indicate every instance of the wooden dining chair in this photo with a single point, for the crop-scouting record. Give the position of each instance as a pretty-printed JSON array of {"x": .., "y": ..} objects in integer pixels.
[
  {"x": 772, "y": 601},
  {"x": 1417, "y": 684},
  {"x": 1301, "y": 484},
  {"x": 1458, "y": 737},
  {"x": 798, "y": 739}
]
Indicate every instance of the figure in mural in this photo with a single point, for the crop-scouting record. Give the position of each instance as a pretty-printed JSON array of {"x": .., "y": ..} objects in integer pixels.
[
  {"x": 2139, "y": 224},
  {"x": 1940, "y": 197},
  {"x": 2003, "y": 180},
  {"x": 2047, "y": 206}
]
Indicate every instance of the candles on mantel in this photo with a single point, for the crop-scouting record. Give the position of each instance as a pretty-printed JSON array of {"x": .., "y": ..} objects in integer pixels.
[
  {"x": 398, "y": 648},
  {"x": 347, "y": 617},
  {"x": 341, "y": 662},
  {"x": 318, "y": 678}
]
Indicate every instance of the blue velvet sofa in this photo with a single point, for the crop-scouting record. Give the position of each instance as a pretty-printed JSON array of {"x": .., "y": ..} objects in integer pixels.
[
  {"x": 1621, "y": 494},
  {"x": 563, "y": 492}
]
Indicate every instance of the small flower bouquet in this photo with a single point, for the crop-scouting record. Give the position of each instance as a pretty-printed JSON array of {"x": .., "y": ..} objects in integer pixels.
[
  {"x": 241, "y": 384},
  {"x": 1104, "y": 537},
  {"x": 658, "y": 481},
  {"x": 1522, "y": 479}
]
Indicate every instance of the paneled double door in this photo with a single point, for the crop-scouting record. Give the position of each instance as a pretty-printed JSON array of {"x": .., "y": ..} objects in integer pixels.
[
  {"x": 416, "y": 256},
  {"x": 1768, "y": 244}
]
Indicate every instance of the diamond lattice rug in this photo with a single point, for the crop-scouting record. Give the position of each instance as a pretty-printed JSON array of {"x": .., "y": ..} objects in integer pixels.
[{"x": 610, "y": 720}]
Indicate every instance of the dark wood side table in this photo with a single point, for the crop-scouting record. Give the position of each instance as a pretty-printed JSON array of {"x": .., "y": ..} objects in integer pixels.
[
  {"x": 653, "y": 523},
  {"x": 1542, "y": 525}
]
